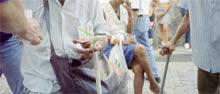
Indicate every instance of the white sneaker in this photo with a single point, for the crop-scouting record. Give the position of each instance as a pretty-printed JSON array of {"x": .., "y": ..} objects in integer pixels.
[{"x": 187, "y": 45}]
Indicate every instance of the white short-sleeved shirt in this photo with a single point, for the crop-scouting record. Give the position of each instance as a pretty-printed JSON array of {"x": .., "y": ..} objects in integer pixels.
[
  {"x": 205, "y": 33},
  {"x": 64, "y": 20},
  {"x": 143, "y": 6}
]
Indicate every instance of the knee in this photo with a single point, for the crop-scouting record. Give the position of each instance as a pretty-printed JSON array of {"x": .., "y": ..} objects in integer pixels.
[
  {"x": 137, "y": 69},
  {"x": 140, "y": 50}
]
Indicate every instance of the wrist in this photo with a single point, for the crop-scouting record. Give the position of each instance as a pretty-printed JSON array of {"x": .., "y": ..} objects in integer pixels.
[{"x": 173, "y": 41}]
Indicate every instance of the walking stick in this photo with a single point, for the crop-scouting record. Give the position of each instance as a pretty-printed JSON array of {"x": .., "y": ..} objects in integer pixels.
[
  {"x": 98, "y": 78},
  {"x": 165, "y": 70},
  {"x": 97, "y": 62}
]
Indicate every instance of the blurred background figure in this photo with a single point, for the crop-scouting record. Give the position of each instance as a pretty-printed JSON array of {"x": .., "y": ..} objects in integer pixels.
[
  {"x": 152, "y": 23},
  {"x": 141, "y": 28},
  {"x": 13, "y": 20},
  {"x": 163, "y": 18}
]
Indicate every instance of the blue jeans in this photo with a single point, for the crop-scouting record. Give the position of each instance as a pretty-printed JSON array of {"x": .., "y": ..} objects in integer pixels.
[
  {"x": 141, "y": 33},
  {"x": 187, "y": 36},
  {"x": 10, "y": 61},
  {"x": 151, "y": 33}
]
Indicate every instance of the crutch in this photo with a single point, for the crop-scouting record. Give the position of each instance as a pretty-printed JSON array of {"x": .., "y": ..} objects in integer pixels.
[{"x": 165, "y": 70}]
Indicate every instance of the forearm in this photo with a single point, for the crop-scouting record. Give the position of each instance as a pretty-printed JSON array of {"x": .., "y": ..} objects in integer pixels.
[
  {"x": 12, "y": 17},
  {"x": 182, "y": 28},
  {"x": 130, "y": 25},
  {"x": 135, "y": 15},
  {"x": 167, "y": 9}
]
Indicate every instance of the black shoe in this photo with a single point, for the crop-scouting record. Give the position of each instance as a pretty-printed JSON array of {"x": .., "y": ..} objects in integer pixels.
[{"x": 157, "y": 79}]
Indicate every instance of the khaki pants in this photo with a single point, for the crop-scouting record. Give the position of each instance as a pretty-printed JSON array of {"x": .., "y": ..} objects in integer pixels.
[{"x": 208, "y": 83}]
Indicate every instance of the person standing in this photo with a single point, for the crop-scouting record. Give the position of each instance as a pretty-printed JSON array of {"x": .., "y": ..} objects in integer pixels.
[
  {"x": 163, "y": 18},
  {"x": 10, "y": 61},
  {"x": 65, "y": 19},
  {"x": 141, "y": 28},
  {"x": 12, "y": 20},
  {"x": 202, "y": 17}
]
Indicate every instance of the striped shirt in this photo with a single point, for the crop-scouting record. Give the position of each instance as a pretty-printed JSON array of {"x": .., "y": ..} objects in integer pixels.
[{"x": 205, "y": 32}]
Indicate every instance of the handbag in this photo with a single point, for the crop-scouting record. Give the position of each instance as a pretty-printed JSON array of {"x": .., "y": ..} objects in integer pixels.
[{"x": 74, "y": 79}]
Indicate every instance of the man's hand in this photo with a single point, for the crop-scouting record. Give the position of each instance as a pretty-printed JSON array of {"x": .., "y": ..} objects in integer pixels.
[
  {"x": 86, "y": 50},
  {"x": 168, "y": 46},
  {"x": 127, "y": 6},
  {"x": 13, "y": 20},
  {"x": 33, "y": 33}
]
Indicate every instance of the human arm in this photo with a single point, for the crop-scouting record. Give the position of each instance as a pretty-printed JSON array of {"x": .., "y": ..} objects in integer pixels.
[
  {"x": 182, "y": 28},
  {"x": 131, "y": 20},
  {"x": 13, "y": 20}
]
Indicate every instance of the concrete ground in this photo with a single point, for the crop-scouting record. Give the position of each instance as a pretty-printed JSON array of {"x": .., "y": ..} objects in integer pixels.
[{"x": 181, "y": 76}]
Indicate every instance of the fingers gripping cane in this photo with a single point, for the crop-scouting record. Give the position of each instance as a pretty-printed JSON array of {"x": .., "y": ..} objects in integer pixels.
[{"x": 165, "y": 70}]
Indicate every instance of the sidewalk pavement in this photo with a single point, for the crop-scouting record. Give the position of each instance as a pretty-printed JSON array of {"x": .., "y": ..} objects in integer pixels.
[{"x": 181, "y": 76}]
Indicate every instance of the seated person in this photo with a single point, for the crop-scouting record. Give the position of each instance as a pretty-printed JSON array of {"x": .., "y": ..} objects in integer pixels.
[{"x": 120, "y": 21}]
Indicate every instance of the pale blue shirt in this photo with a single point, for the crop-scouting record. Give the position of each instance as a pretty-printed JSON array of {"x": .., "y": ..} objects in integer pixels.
[
  {"x": 65, "y": 20},
  {"x": 205, "y": 32}
]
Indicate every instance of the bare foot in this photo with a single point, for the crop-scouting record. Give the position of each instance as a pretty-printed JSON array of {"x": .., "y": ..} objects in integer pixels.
[{"x": 155, "y": 88}]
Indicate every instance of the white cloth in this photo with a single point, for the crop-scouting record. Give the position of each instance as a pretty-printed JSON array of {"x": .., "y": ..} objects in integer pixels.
[
  {"x": 65, "y": 20},
  {"x": 164, "y": 1},
  {"x": 143, "y": 6},
  {"x": 205, "y": 33},
  {"x": 115, "y": 24},
  {"x": 134, "y": 4}
]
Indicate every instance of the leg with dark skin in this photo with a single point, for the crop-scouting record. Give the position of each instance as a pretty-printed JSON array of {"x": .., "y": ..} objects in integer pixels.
[
  {"x": 140, "y": 64},
  {"x": 138, "y": 78}
]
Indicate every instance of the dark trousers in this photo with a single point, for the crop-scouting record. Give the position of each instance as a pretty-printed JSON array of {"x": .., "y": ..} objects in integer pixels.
[{"x": 208, "y": 83}]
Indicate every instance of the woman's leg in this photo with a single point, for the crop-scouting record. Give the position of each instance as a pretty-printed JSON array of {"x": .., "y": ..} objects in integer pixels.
[
  {"x": 138, "y": 78},
  {"x": 164, "y": 32},
  {"x": 142, "y": 59}
]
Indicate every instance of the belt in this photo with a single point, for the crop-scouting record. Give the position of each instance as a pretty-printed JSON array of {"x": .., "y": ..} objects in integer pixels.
[{"x": 4, "y": 37}]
